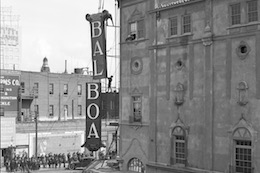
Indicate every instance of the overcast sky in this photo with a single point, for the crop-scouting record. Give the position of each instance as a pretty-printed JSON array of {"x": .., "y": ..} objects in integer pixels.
[{"x": 58, "y": 30}]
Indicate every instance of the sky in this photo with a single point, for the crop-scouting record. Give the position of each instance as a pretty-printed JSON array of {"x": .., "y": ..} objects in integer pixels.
[{"x": 58, "y": 30}]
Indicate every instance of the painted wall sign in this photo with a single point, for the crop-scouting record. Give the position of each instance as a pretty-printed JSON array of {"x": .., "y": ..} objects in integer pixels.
[
  {"x": 93, "y": 119},
  {"x": 7, "y": 132},
  {"x": 9, "y": 86},
  {"x": 98, "y": 43},
  {"x": 167, "y": 3}
]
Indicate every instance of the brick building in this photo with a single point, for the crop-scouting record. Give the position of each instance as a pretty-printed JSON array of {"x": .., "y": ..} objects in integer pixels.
[
  {"x": 58, "y": 100},
  {"x": 190, "y": 86}
]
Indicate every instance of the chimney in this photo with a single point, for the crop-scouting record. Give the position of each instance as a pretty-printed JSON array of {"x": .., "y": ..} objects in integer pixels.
[{"x": 66, "y": 72}]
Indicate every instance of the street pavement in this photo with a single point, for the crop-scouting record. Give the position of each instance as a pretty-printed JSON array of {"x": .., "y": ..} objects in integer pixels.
[{"x": 49, "y": 170}]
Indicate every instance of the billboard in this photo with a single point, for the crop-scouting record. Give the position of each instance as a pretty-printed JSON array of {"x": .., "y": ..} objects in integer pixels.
[
  {"x": 7, "y": 132},
  {"x": 98, "y": 43},
  {"x": 58, "y": 143},
  {"x": 9, "y": 87},
  {"x": 93, "y": 118}
]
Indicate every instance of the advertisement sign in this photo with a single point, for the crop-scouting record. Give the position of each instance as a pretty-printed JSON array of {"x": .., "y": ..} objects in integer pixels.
[
  {"x": 98, "y": 43},
  {"x": 7, "y": 132},
  {"x": 9, "y": 86},
  {"x": 58, "y": 143},
  {"x": 167, "y": 3},
  {"x": 93, "y": 118}
]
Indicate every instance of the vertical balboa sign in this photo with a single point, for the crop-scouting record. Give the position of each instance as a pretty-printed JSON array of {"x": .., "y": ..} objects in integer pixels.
[
  {"x": 93, "y": 119},
  {"x": 98, "y": 43}
]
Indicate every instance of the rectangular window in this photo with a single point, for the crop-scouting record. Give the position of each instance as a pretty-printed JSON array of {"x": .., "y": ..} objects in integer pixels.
[
  {"x": 235, "y": 14},
  {"x": 133, "y": 28},
  {"x": 22, "y": 87},
  {"x": 137, "y": 29},
  {"x": 186, "y": 23},
  {"x": 180, "y": 149},
  {"x": 2, "y": 89},
  {"x": 79, "y": 110},
  {"x": 36, "y": 88},
  {"x": 140, "y": 29},
  {"x": 173, "y": 26},
  {"x": 51, "y": 112},
  {"x": 51, "y": 88},
  {"x": 243, "y": 156},
  {"x": 79, "y": 89},
  {"x": 66, "y": 114},
  {"x": 252, "y": 11},
  {"x": 137, "y": 109},
  {"x": 65, "y": 89}
]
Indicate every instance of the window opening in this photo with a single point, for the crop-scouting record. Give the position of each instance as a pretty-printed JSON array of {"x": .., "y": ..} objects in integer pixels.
[
  {"x": 235, "y": 14},
  {"x": 79, "y": 89},
  {"x": 51, "y": 111},
  {"x": 186, "y": 24},
  {"x": 173, "y": 26},
  {"x": 137, "y": 108},
  {"x": 36, "y": 88},
  {"x": 243, "y": 156},
  {"x": 252, "y": 11},
  {"x": 79, "y": 110},
  {"x": 65, "y": 89},
  {"x": 178, "y": 146},
  {"x": 136, "y": 165},
  {"x": 51, "y": 88}
]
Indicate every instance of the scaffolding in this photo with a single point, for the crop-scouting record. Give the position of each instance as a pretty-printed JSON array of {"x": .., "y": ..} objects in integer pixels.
[{"x": 10, "y": 42}]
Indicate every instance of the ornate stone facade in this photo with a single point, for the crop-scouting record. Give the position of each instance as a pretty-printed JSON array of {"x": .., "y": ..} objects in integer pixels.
[{"x": 210, "y": 56}]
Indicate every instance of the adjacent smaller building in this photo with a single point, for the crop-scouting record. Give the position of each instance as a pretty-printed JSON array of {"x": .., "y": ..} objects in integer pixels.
[{"x": 54, "y": 106}]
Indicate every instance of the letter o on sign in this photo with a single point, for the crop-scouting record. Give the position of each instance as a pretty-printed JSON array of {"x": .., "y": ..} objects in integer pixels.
[{"x": 97, "y": 111}]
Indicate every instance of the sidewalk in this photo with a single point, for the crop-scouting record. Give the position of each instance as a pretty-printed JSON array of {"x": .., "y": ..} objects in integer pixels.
[{"x": 3, "y": 170}]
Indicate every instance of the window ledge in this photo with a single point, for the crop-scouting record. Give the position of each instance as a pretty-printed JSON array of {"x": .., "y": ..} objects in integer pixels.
[
  {"x": 135, "y": 41},
  {"x": 243, "y": 25},
  {"x": 134, "y": 124},
  {"x": 179, "y": 36}
]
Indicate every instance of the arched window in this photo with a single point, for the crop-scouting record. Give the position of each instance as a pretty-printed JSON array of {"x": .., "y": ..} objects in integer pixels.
[
  {"x": 136, "y": 165},
  {"x": 178, "y": 144},
  {"x": 242, "y": 150}
]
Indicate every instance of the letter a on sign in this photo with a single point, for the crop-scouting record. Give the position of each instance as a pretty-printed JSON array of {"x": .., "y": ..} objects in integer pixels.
[
  {"x": 93, "y": 119},
  {"x": 98, "y": 43}
]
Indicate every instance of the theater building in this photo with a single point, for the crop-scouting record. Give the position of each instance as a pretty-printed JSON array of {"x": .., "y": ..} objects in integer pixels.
[{"x": 190, "y": 86}]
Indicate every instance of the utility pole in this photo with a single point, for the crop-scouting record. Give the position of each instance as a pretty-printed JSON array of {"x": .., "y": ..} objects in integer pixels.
[
  {"x": 35, "y": 120},
  {"x": 36, "y": 133}
]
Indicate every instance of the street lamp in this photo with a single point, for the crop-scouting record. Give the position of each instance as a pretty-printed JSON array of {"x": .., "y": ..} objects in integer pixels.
[
  {"x": 242, "y": 87},
  {"x": 179, "y": 94}
]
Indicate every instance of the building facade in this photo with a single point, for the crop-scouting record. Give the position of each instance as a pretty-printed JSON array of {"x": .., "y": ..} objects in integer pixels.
[
  {"x": 59, "y": 103},
  {"x": 190, "y": 86}
]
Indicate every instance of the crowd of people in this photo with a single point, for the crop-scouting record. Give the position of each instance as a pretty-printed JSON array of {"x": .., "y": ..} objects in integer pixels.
[{"x": 24, "y": 163}]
